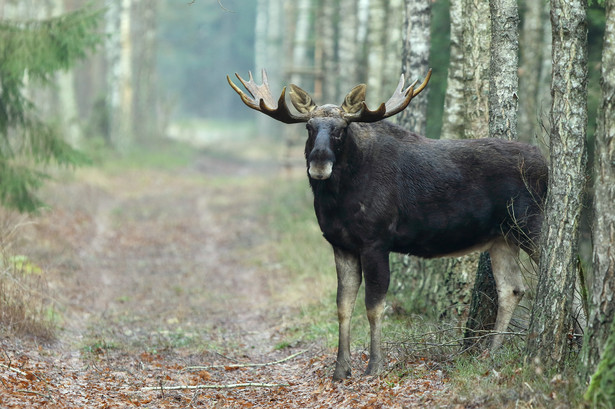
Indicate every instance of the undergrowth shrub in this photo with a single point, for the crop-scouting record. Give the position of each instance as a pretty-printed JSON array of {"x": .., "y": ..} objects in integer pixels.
[{"x": 25, "y": 306}]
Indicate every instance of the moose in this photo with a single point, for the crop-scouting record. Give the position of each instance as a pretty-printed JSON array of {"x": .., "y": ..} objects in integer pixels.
[{"x": 379, "y": 188}]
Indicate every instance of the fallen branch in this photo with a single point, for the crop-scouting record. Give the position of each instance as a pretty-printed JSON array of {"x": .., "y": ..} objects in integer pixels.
[
  {"x": 48, "y": 397},
  {"x": 235, "y": 366},
  {"x": 10, "y": 368},
  {"x": 229, "y": 386}
]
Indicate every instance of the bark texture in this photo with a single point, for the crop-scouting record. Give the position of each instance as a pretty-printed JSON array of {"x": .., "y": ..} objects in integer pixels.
[
  {"x": 476, "y": 50},
  {"x": 533, "y": 50},
  {"x": 503, "y": 88},
  {"x": 416, "y": 40},
  {"x": 119, "y": 74},
  {"x": 452, "y": 123},
  {"x": 550, "y": 322},
  {"x": 349, "y": 46},
  {"x": 603, "y": 288},
  {"x": 327, "y": 28},
  {"x": 504, "y": 64}
]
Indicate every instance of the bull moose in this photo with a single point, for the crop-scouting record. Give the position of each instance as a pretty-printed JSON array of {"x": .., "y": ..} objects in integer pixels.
[{"x": 379, "y": 188}]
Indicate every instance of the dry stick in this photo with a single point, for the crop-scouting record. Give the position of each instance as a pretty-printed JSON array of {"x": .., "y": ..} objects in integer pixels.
[
  {"x": 229, "y": 386},
  {"x": 10, "y": 368},
  {"x": 233, "y": 366},
  {"x": 48, "y": 397}
]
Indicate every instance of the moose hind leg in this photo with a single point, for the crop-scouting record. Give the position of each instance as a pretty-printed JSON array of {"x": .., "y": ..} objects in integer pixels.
[
  {"x": 376, "y": 271},
  {"x": 509, "y": 284},
  {"x": 348, "y": 269}
]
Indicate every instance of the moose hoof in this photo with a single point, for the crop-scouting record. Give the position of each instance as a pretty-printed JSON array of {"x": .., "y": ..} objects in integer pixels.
[
  {"x": 374, "y": 368},
  {"x": 341, "y": 374}
]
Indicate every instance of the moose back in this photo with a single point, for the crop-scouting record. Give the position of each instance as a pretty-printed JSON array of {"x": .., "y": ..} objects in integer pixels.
[{"x": 379, "y": 188}]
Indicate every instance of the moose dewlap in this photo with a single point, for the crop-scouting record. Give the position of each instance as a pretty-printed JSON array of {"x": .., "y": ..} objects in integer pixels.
[{"x": 379, "y": 188}]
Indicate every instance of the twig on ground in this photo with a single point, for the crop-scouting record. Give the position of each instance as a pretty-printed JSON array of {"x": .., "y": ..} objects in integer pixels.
[
  {"x": 234, "y": 366},
  {"x": 222, "y": 386},
  {"x": 49, "y": 397},
  {"x": 10, "y": 368}
]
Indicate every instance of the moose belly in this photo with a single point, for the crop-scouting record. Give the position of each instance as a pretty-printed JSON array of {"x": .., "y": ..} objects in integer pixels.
[{"x": 455, "y": 238}]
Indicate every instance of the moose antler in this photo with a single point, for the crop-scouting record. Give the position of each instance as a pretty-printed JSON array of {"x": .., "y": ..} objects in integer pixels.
[
  {"x": 263, "y": 101},
  {"x": 397, "y": 103}
]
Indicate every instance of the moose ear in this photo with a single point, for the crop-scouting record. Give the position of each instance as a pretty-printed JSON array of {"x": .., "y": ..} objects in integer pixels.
[
  {"x": 301, "y": 100},
  {"x": 353, "y": 102}
]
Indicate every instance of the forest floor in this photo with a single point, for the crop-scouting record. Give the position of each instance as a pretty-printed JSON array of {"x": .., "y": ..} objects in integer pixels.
[{"x": 169, "y": 295}]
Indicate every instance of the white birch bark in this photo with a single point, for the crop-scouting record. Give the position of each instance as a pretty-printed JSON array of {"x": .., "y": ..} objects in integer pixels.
[
  {"x": 602, "y": 290},
  {"x": 530, "y": 70},
  {"x": 504, "y": 66},
  {"x": 476, "y": 44},
  {"x": 416, "y": 40},
  {"x": 550, "y": 321},
  {"x": 452, "y": 123},
  {"x": 349, "y": 46},
  {"x": 376, "y": 52},
  {"x": 299, "y": 62},
  {"x": 327, "y": 40}
]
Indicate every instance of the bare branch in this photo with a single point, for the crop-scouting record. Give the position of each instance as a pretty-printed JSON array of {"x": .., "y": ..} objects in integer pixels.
[
  {"x": 10, "y": 368},
  {"x": 235, "y": 366},
  {"x": 222, "y": 386}
]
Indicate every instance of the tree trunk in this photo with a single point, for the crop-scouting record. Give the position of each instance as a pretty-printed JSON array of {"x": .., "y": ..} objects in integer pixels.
[
  {"x": 503, "y": 88},
  {"x": 452, "y": 122},
  {"x": 327, "y": 38},
  {"x": 268, "y": 55},
  {"x": 148, "y": 121},
  {"x": 349, "y": 46},
  {"x": 416, "y": 40},
  {"x": 504, "y": 65},
  {"x": 120, "y": 90},
  {"x": 392, "y": 46},
  {"x": 603, "y": 235},
  {"x": 531, "y": 60},
  {"x": 376, "y": 52},
  {"x": 544, "y": 87},
  {"x": 476, "y": 44},
  {"x": 550, "y": 322}
]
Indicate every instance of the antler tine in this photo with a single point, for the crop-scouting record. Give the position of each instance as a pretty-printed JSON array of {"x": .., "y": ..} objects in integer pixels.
[
  {"x": 263, "y": 101},
  {"x": 397, "y": 103}
]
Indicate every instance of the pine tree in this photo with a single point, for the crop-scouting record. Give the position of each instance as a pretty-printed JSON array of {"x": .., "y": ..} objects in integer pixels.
[{"x": 31, "y": 52}]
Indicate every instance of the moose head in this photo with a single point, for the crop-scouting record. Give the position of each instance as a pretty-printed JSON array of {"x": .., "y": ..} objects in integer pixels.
[{"x": 326, "y": 124}]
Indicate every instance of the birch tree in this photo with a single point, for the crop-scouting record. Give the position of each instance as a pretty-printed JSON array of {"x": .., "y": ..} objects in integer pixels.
[
  {"x": 376, "y": 36},
  {"x": 532, "y": 51},
  {"x": 349, "y": 45},
  {"x": 416, "y": 38},
  {"x": 503, "y": 88},
  {"x": 603, "y": 289},
  {"x": 452, "y": 122},
  {"x": 327, "y": 39},
  {"x": 550, "y": 321},
  {"x": 148, "y": 120},
  {"x": 119, "y": 77},
  {"x": 476, "y": 50}
]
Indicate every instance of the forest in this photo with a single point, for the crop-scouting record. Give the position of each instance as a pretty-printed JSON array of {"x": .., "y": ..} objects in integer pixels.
[{"x": 158, "y": 243}]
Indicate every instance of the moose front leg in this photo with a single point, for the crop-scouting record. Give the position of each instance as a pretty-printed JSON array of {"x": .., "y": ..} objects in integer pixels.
[
  {"x": 377, "y": 274},
  {"x": 348, "y": 269}
]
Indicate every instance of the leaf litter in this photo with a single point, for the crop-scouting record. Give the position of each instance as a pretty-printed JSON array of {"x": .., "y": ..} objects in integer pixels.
[{"x": 160, "y": 310}]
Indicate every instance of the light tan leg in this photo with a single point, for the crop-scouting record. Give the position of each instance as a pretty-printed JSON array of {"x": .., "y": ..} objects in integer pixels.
[
  {"x": 509, "y": 284},
  {"x": 348, "y": 269}
]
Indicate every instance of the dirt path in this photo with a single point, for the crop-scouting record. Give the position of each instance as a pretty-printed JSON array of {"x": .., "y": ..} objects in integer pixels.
[{"x": 150, "y": 271}]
